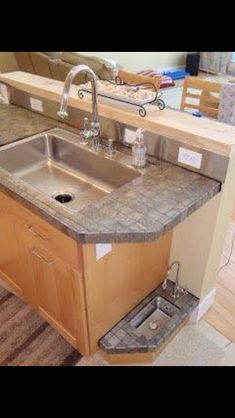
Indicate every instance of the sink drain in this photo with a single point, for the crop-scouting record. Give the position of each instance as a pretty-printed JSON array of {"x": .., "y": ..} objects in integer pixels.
[
  {"x": 152, "y": 325},
  {"x": 64, "y": 197}
]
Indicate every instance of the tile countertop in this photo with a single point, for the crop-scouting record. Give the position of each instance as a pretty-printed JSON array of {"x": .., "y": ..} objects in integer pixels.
[
  {"x": 17, "y": 123},
  {"x": 141, "y": 210}
]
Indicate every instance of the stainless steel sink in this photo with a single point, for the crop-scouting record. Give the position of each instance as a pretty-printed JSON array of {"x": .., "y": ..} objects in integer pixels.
[
  {"x": 153, "y": 317},
  {"x": 58, "y": 166}
]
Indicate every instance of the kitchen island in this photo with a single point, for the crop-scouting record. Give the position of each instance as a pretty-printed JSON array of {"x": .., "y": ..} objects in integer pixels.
[{"x": 154, "y": 219}]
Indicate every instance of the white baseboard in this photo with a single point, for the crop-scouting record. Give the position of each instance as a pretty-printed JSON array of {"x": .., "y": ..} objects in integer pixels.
[{"x": 203, "y": 306}]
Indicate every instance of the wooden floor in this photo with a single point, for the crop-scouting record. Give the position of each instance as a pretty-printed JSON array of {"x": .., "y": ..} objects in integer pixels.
[{"x": 222, "y": 314}]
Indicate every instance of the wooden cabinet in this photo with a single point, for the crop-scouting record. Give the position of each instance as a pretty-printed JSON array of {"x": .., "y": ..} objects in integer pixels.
[
  {"x": 80, "y": 296},
  {"x": 59, "y": 293},
  {"x": 12, "y": 267},
  {"x": 44, "y": 267},
  {"x": 120, "y": 280}
]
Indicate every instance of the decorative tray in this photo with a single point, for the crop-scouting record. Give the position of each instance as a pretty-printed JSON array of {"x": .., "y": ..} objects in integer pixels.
[{"x": 133, "y": 94}]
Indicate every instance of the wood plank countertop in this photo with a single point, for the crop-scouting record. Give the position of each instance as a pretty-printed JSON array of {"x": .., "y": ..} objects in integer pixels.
[{"x": 203, "y": 133}]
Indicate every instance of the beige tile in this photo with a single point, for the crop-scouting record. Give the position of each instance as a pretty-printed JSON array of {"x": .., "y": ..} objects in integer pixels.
[
  {"x": 95, "y": 360},
  {"x": 211, "y": 333},
  {"x": 229, "y": 356},
  {"x": 190, "y": 348}
]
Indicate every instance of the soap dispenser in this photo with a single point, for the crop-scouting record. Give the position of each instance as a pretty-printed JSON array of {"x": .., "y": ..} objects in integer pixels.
[{"x": 139, "y": 150}]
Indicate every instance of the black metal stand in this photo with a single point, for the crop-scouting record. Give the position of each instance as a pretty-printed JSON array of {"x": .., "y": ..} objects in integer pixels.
[{"x": 118, "y": 81}]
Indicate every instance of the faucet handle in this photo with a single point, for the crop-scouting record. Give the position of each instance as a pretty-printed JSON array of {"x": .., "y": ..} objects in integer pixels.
[
  {"x": 111, "y": 150},
  {"x": 85, "y": 123},
  {"x": 95, "y": 127},
  {"x": 62, "y": 114},
  {"x": 85, "y": 133},
  {"x": 164, "y": 284}
]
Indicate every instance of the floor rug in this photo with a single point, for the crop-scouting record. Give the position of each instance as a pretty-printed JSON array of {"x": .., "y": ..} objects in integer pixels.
[
  {"x": 190, "y": 348},
  {"x": 27, "y": 340}
]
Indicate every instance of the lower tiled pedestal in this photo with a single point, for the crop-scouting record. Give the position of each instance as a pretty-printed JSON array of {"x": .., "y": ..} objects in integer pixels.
[{"x": 127, "y": 343}]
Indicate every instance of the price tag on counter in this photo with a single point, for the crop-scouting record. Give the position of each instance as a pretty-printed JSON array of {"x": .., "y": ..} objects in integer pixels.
[
  {"x": 36, "y": 104},
  {"x": 129, "y": 136},
  {"x": 102, "y": 249},
  {"x": 190, "y": 158}
]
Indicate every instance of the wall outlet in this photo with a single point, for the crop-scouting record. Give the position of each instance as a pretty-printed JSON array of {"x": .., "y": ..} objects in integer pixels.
[
  {"x": 102, "y": 249},
  {"x": 4, "y": 94},
  {"x": 190, "y": 158},
  {"x": 36, "y": 104},
  {"x": 129, "y": 136}
]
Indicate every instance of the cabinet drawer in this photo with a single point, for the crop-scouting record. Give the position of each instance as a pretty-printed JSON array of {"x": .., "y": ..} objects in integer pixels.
[{"x": 43, "y": 233}]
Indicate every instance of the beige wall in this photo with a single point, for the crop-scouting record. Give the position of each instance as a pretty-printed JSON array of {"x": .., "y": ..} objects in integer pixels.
[
  {"x": 221, "y": 228},
  {"x": 7, "y": 62},
  {"x": 191, "y": 245},
  {"x": 130, "y": 61},
  {"x": 198, "y": 241},
  {"x": 137, "y": 61}
]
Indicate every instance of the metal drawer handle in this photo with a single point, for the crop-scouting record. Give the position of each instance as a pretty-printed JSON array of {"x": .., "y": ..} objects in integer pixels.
[
  {"x": 41, "y": 257},
  {"x": 35, "y": 233}
]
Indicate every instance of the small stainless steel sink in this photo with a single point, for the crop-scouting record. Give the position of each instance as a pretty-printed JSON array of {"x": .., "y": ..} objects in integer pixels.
[
  {"x": 59, "y": 167},
  {"x": 153, "y": 317}
]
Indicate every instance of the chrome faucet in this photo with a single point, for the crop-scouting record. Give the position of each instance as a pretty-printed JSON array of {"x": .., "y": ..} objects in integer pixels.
[
  {"x": 94, "y": 132},
  {"x": 176, "y": 288},
  {"x": 111, "y": 150}
]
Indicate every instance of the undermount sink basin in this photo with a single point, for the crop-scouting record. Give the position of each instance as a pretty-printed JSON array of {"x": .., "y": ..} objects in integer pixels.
[
  {"x": 153, "y": 317},
  {"x": 59, "y": 167}
]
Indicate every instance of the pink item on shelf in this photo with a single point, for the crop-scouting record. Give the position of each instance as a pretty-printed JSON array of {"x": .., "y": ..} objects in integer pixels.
[{"x": 166, "y": 81}]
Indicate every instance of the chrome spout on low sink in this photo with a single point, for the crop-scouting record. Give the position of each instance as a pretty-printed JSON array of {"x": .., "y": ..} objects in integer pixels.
[{"x": 176, "y": 288}]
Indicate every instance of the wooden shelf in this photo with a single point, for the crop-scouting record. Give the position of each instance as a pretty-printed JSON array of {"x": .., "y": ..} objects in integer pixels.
[{"x": 203, "y": 133}]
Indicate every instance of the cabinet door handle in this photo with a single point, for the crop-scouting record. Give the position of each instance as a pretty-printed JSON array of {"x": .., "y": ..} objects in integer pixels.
[
  {"x": 41, "y": 257},
  {"x": 35, "y": 233}
]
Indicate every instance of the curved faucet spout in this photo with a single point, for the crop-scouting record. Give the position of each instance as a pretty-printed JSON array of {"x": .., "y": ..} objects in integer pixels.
[
  {"x": 176, "y": 288},
  {"x": 62, "y": 113}
]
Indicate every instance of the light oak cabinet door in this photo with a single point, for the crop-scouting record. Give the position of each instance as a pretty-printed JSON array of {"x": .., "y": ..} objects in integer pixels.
[
  {"x": 59, "y": 293},
  {"x": 12, "y": 267},
  {"x": 44, "y": 267}
]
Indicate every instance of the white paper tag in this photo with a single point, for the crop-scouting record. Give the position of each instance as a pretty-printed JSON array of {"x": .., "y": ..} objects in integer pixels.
[
  {"x": 102, "y": 249},
  {"x": 190, "y": 158},
  {"x": 129, "y": 136},
  {"x": 36, "y": 104}
]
